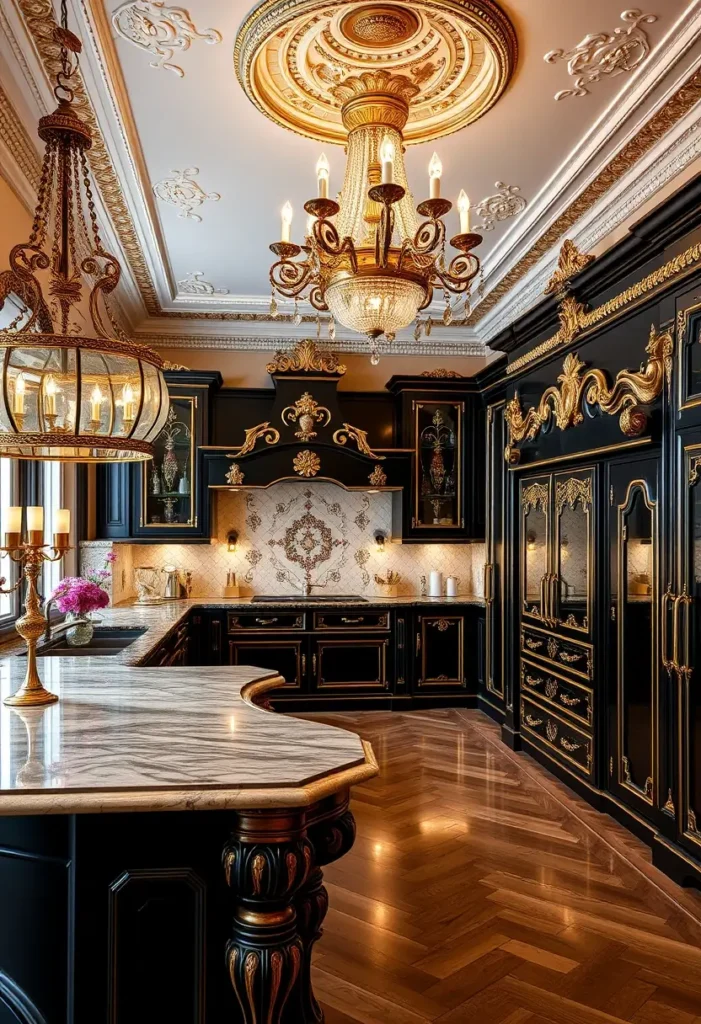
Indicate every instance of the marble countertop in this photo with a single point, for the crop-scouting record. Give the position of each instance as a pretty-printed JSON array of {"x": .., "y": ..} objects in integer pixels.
[{"x": 127, "y": 738}]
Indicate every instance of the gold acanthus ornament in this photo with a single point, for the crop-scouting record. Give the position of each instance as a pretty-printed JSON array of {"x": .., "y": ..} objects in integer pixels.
[
  {"x": 306, "y": 413},
  {"x": 360, "y": 437},
  {"x": 306, "y": 357},
  {"x": 378, "y": 478},
  {"x": 264, "y": 430},
  {"x": 578, "y": 385},
  {"x": 570, "y": 262},
  {"x": 306, "y": 463},
  {"x": 234, "y": 475},
  {"x": 569, "y": 492}
]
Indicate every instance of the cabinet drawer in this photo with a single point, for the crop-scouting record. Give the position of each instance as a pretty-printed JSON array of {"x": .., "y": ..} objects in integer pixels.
[
  {"x": 559, "y": 737},
  {"x": 257, "y": 621},
  {"x": 575, "y": 657},
  {"x": 341, "y": 621},
  {"x": 563, "y": 694},
  {"x": 358, "y": 664},
  {"x": 284, "y": 656}
]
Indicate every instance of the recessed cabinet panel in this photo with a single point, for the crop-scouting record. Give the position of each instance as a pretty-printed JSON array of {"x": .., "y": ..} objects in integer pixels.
[
  {"x": 284, "y": 656},
  {"x": 689, "y": 343},
  {"x": 361, "y": 663},
  {"x": 535, "y": 508},
  {"x": 686, "y": 649},
  {"x": 438, "y": 500},
  {"x": 440, "y": 651},
  {"x": 635, "y": 614}
]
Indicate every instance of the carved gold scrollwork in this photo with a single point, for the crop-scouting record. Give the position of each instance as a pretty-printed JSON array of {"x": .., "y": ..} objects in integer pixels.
[
  {"x": 306, "y": 413},
  {"x": 551, "y": 731},
  {"x": 264, "y": 430},
  {"x": 306, "y": 463},
  {"x": 378, "y": 477},
  {"x": 569, "y": 263},
  {"x": 695, "y": 470},
  {"x": 578, "y": 385},
  {"x": 440, "y": 624},
  {"x": 359, "y": 436},
  {"x": 306, "y": 357},
  {"x": 569, "y": 745},
  {"x": 569, "y": 492},
  {"x": 234, "y": 475},
  {"x": 534, "y": 496}
]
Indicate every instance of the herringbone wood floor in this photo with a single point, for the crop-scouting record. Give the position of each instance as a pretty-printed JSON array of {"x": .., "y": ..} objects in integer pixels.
[{"x": 479, "y": 891}]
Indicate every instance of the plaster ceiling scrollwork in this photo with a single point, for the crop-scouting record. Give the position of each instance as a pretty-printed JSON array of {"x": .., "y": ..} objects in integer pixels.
[
  {"x": 153, "y": 26},
  {"x": 602, "y": 54},
  {"x": 194, "y": 284},
  {"x": 505, "y": 203},
  {"x": 183, "y": 192}
]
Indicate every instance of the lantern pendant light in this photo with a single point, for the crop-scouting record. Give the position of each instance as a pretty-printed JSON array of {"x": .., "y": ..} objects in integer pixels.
[{"x": 64, "y": 395}]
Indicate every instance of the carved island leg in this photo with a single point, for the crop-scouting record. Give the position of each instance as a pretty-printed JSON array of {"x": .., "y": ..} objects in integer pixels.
[
  {"x": 266, "y": 862},
  {"x": 331, "y": 835}
]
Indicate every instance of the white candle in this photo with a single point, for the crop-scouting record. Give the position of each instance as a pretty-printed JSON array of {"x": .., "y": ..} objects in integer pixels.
[
  {"x": 464, "y": 208},
  {"x": 387, "y": 158},
  {"x": 128, "y": 398},
  {"x": 322, "y": 176},
  {"x": 50, "y": 390},
  {"x": 20, "y": 388},
  {"x": 35, "y": 519},
  {"x": 96, "y": 400},
  {"x": 13, "y": 519},
  {"x": 435, "y": 169},
  {"x": 286, "y": 214},
  {"x": 63, "y": 520}
]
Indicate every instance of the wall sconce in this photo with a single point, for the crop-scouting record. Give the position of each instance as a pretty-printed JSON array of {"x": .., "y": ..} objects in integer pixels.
[
  {"x": 380, "y": 541},
  {"x": 232, "y": 541}
]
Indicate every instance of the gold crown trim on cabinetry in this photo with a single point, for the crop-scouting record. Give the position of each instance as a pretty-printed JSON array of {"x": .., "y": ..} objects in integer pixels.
[
  {"x": 578, "y": 385},
  {"x": 306, "y": 357},
  {"x": 569, "y": 263}
]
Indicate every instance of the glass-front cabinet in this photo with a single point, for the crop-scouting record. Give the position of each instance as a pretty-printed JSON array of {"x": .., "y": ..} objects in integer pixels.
[
  {"x": 169, "y": 483},
  {"x": 438, "y": 484}
]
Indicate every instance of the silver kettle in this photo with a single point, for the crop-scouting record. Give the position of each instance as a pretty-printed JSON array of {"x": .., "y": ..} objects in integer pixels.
[{"x": 175, "y": 585}]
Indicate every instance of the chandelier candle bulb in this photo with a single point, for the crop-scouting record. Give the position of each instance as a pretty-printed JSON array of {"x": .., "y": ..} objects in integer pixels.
[
  {"x": 286, "y": 215},
  {"x": 128, "y": 399},
  {"x": 464, "y": 210},
  {"x": 96, "y": 399},
  {"x": 387, "y": 158},
  {"x": 322, "y": 176},
  {"x": 50, "y": 390},
  {"x": 20, "y": 389},
  {"x": 435, "y": 170}
]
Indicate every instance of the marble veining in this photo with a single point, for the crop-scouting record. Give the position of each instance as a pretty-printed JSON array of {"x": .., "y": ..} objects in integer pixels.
[{"x": 129, "y": 738}]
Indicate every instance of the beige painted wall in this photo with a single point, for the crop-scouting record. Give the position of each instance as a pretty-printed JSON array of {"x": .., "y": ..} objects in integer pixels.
[
  {"x": 15, "y": 222},
  {"x": 247, "y": 369}
]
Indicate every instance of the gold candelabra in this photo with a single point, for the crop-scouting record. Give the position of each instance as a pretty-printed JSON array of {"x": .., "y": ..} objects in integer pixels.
[{"x": 30, "y": 554}]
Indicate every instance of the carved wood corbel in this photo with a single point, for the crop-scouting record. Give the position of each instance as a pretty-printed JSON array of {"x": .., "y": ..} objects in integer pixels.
[{"x": 578, "y": 386}]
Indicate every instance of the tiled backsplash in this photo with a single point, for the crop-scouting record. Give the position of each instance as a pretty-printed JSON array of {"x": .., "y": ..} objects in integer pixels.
[{"x": 292, "y": 532}]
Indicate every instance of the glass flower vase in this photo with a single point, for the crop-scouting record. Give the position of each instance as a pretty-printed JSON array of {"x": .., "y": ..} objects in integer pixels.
[{"x": 81, "y": 634}]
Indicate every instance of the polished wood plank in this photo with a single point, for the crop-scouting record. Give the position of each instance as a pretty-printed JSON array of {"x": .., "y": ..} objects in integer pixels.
[{"x": 481, "y": 890}]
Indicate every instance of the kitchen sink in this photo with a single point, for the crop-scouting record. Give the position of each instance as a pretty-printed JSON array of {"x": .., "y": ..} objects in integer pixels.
[
  {"x": 105, "y": 642},
  {"x": 300, "y": 598}
]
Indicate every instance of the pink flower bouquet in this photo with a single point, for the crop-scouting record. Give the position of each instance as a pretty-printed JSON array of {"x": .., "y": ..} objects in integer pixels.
[{"x": 80, "y": 596}]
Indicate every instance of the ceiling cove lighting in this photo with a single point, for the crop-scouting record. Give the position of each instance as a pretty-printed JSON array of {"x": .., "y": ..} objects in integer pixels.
[{"x": 65, "y": 395}]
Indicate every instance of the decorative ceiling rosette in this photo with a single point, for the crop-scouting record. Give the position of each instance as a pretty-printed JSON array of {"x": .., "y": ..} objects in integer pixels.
[{"x": 297, "y": 61}]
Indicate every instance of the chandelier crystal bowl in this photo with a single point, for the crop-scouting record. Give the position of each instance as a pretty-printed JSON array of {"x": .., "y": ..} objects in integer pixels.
[{"x": 66, "y": 396}]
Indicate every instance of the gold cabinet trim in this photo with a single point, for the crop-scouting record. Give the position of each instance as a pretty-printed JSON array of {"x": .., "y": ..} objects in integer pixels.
[
  {"x": 317, "y": 664},
  {"x": 552, "y": 643},
  {"x": 555, "y": 739},
  {"x": 578, "y": 386},
  {"x": 426, "y": 620},
  {"x": 529, "y": 672}
]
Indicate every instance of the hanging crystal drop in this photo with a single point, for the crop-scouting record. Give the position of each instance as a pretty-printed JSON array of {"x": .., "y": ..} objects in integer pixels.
[
  {"x": 374, "y": 357},
  {"x": 418, "y": 330},
  {"x": 296, "y": 316},
  {"x": 429, "y": 327},
  {"x": 468, "y": 305},
  {"x": 480, "y": 286},
  {"x": 447, "y": 313},
  {"x": 390, "y": 337},
  {"x": 332, "y": 328},
  {"x": 273, "y": 305}
]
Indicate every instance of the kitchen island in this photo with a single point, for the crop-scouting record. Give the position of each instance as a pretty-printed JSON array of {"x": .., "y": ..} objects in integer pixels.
[{"x": 162, "y": 840}]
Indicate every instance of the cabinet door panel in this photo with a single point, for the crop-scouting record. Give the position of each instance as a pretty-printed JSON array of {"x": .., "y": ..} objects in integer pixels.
[
  {"x": 494, "y": 569},
  {"x": 634, "y": 615},
  {"x": 573, "y": 553},
  {"x": 534, "y": 545},
  {"x": 284, "y": 656},
  {"x": 357, "y": 664},
  {"x": 440, "y": 650},
  {"x": 687, "y": 647},
  {"x": 689, "y": 348},
  {"x": 438, "y": 497}
]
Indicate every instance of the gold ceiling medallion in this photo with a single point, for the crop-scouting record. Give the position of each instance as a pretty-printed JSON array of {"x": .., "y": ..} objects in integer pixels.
[
  {"x": 359, "y": 436},
  {"x": 306, "y": 463},
  {"x": 64, "y": 396},
  {"x": 290, "y": 57},
  {"x": 441, "y": 374},
  {"x": 570, "y": 262},
  {"x": 234, "y": 476},
  {"x": 578, "y": 384},
  {"x": 264, "y": 430},
  {"x": 306, "y": 412},
  {"x": 306, "y": 357},
  {"x": 378, "y": 477},
  {"x": 569, "y": 492}
]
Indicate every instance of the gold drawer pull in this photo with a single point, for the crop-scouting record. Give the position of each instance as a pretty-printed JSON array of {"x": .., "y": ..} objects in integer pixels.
[
  {"x": 570, "y": 701},
  {"x": 266, "y": 622},
  {"x": 352, "y": 622},
  {"x": 530, "y": 720},
  {"x": 566, "y": 656},
  {"x": 569, "y": 745},
  {"x": 304, "y": 664},
  {"x": 314, "y": 664},
  {"x": 533, "y": 644},
  {"x": 533, "y": 680}
]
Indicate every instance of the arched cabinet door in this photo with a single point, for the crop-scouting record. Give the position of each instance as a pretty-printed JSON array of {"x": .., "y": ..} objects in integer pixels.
[
  {"x": 634, "y": 635},
  {"x": 683, "y": 652},
  {"x": 534, "y": 547}
]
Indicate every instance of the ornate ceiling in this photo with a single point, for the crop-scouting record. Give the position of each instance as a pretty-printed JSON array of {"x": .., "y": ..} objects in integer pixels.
[{"x": 559, "y": 119}]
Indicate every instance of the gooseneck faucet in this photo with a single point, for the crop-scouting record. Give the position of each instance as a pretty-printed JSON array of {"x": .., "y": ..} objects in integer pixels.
[{"x": 49, "y": 632}]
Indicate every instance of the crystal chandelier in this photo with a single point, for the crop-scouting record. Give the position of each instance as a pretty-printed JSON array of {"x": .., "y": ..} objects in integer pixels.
[
  {"x": 66, "y": 396},
  {"x": 375, "y": 268}
]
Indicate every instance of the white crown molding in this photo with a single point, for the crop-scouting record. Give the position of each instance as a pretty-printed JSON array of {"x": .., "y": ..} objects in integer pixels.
[
  {"x": 672, "y": 61},
  {"x": 273, "y": 342},
  {"x": 664, "y": 162}
]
